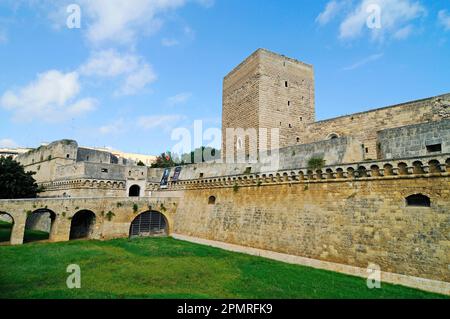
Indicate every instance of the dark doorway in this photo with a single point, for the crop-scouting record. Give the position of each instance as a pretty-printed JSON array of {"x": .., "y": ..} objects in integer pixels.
[
  {"x": 134, "y": 191},
  {"x": 6, "y": 226},
  {"x": 149, "y": 224},
  {"x": 39, "y": 225},
  {"x": 418, "y": 200},
  {"x": 82, "y": 225}
]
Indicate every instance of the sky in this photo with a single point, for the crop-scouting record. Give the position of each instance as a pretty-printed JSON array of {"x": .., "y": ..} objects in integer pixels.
[{"x": 127, "y": 74}]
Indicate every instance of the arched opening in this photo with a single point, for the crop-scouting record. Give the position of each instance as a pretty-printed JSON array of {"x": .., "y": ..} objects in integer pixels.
[
  {"x": 149, "y": 224},
  {"x": 211, "y": 200},
  {"x": 332, "y": 136},
  {"x": 39, "y": 225},
  {"x": 82, "y": 225},
  {"x": 134, "y": 191},
  {"x": 418, "y": 200},
  {"x": 6, "y": 226}
]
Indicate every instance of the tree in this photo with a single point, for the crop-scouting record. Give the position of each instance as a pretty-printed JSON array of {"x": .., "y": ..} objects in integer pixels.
[
  {"x": 15, "y": 182},
  {"x": 165, "y": 160},
  {"x": 140, "y": 163}
]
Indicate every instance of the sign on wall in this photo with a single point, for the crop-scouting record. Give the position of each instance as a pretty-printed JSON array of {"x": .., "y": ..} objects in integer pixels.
[
  {"x": 165, "y": 179},
  {"x": 176, "y": 174}
]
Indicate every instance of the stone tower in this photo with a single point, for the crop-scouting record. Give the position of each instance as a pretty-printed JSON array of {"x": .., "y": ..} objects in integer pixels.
[{"x": 268, "y": 91}]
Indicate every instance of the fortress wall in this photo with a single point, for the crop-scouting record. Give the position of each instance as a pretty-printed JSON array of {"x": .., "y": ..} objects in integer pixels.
[
  {"x": 365, "y": 126},
  {"x": 93, "y": 156},
  {"x": 352, "y": 222},
  {"x": 415, "y": 140}
]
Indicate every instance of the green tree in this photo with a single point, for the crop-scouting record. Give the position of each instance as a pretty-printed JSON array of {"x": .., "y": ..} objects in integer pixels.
[
  {"x": 165, "y": 160},
  {"x": 140, "y": 163},
  {"x": 15, "y": 182}
]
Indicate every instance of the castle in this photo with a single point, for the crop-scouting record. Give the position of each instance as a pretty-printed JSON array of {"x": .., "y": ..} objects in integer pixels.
[{"x": 381, "y": 194}]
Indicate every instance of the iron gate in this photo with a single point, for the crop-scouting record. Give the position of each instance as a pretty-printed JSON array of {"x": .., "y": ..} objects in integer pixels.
[{"x": 149, "y": 224}]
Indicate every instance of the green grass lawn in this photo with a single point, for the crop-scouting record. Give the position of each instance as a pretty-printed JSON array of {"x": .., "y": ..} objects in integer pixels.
[
  {"x": 167, "y": 268},
  {"x": 30, "y": 235}
]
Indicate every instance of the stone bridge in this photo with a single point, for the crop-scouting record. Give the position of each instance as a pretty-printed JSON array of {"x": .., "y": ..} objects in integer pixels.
[{"x": 93, "y": 218}]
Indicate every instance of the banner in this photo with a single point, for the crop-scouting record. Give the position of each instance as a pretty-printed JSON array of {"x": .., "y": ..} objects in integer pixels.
[
  {"x": 165, "y": 179},
  {"x": 176, "y": 175}
]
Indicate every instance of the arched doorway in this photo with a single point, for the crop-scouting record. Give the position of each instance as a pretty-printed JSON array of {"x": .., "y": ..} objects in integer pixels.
[
  {"x": 134, "y": 191},
  {"x": 82, "y": 225},
  {"x": 39, "y": 225},
  {"x": 6, "y": 226},
  {"x": 149, "y": 224}
]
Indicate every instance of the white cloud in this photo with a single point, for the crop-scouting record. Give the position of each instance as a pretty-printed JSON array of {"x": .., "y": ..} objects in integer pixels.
[
  {"x": 109, "y": 63},
  {"x": 371, "y": 58},
  {"x": 396, "y": 17},
  {"x": 8, "y": 143},
  {"x": 51, "y": 97},
  {"x": 444, "y": 19},
  {"x": 162, "y": 121},
  {"x": 331, "y": 10},
  {"x": 117, "y": 126},
  {"x": 179, "y": 98},
  {"x": 403, "y": 33},
  {"x": 122, "y": 21}
]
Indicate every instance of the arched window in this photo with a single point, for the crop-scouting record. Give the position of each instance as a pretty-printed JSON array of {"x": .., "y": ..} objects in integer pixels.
[
  {"x": 134, "y": 191},
  {"x": 149, "y": 224},
  {"x": 211, "y": 200},
  {"x": 332, "y": 136},
  {"x": 418, "y": 200}
]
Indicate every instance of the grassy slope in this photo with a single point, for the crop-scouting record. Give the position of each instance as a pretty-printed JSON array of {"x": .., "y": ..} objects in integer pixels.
[
  {"x": 167, "y": 268},
  {"x": 30, "y": 235}
]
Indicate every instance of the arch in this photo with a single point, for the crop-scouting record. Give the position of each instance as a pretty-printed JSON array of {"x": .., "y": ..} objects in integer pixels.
[
  {"x": 332, "y": 136},
  {"x": 212, "y": 200},
  {"x": 149, "y": 224},
  {"x": 134, "y": 191},
  {"x": 6, "y": 227},
  {"x": 82, "y": 225},
  {"x": 418, "y": 200},
  {"x": 39, "y": 225}
]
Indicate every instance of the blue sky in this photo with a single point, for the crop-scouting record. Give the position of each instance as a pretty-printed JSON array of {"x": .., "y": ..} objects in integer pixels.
[{"x": 137, "y": 69}]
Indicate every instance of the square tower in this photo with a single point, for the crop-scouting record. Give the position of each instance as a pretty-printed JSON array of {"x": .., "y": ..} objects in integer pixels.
[{"x": 268, "y": 91}]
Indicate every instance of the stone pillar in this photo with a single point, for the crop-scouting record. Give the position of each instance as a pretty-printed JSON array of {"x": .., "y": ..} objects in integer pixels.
[{"x": 18, "y": 231}]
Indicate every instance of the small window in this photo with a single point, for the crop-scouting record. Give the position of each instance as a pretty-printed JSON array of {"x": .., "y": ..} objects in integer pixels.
[
  {"x": 104, "y": 170},
  {"x": 301, "y": 119},
  {"x": 286, "y": 84},
  {"x": 68, "y": 155},
  {"x": 211, "y": 200},
  {"x": 367, "y": 150},
  {"x": 418, "y": 200},
  {"x": 298, "y": 139},
  {"x": 289, "y": 103},
  {"x": 434, "y": 148},
  {"x": 201, "y": 175},
  {"x": 87, "y": 158},
  {"x": 248, "y": 170},
  {"x": 290, "y": 125}
]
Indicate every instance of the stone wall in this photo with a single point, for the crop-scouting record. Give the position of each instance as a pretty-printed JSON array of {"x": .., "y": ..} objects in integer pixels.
[
  {"x": 365, "y": 126},
  {"x": 352, "y": 222},
  {"x": 415, "y": 140}
]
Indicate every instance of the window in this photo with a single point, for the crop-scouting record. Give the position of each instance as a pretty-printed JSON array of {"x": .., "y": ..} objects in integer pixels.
[
  {"x": 286, "y": 84},
  {"x": 289, "y": 103},
  {"x": 68, "y": 155},
  {"x": 248, "y": 170},
  {"x": 418, "y": 200},
  {"x": 367, "y": 150},
  {"x": 104, "y": 170},
  {"x": 434, "y": 148},
  {"x": 211, "y": 200},
  {"x": 298, "y": 139},
  {"x": 290, "y": 125},
  {"x": 87, "y": 158},
  {"x": 301, "y": 119},
  {"x": 201, "y": 175},
  {"x": 332, "y": 136}
]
